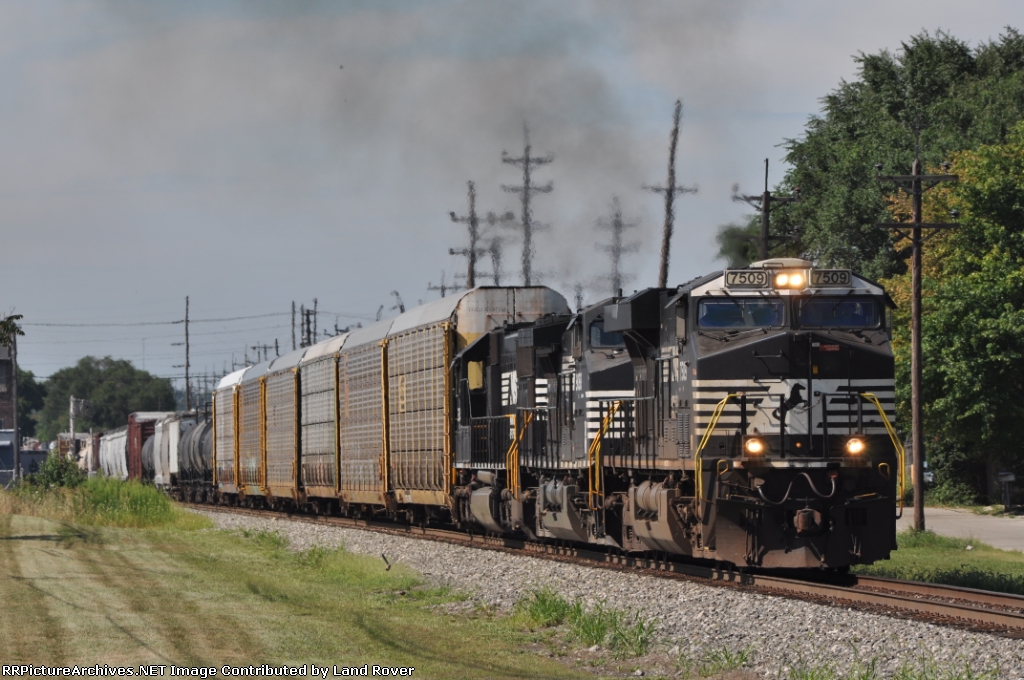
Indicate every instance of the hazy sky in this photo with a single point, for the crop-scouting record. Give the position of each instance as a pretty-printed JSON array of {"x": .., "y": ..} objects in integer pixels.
[{"x": 248, "y": 154}]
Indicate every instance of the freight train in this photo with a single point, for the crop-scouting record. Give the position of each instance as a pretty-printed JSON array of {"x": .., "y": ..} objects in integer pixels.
[{"x": 744, "y": 417}]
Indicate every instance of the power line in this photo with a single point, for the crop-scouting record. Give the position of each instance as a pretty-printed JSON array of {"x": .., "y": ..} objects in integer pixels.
[
  {"x": 472, "y": 222},
  {"x": 527, "y": 162},
  {"x": 617, "y": 248},
  {"x": 764, "y": 205}
]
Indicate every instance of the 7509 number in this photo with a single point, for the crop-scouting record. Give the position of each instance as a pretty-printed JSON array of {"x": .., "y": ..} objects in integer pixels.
[
  {"x": 830, "y": 277},
  {"x": 746, "y": 278}
]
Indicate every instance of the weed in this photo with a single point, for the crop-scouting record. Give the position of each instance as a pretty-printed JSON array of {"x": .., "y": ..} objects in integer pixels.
[
  {"x": 543, "y": 608},
  {"x": 929, "y": 669},
  {"x": 100, "y": 502},
  {"x": 714, "y": 662},
  {"x": 592, "y": 627},
  {"x": 267, "y": 539},
  {"x": 631, "y": 639},
  {"x": 922, "y": 669},
  {"x": 314, "y": 558}
]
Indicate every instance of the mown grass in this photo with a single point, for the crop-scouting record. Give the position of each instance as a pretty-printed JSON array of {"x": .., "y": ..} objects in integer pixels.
[
  {"x": 931, "y": 558},
  {"x": 101, "y": 502},
  {"x": 626, "y": 635},
  {"x": 201, "y": 598}
]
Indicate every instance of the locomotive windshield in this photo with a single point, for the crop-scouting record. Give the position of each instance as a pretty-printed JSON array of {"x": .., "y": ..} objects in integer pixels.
[
  {"x": 599, "y": 337},
  {"x": 839, "y": 312},
  {"x": 736, "y": 312}
]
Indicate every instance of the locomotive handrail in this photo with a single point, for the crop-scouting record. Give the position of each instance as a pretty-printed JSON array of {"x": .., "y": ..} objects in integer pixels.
[
  {"x": 594, "y": 457},
  {"x": 698, "y": 474},
  {"x": 512, "y": 456},
  {"x": 900, "y": 451}
]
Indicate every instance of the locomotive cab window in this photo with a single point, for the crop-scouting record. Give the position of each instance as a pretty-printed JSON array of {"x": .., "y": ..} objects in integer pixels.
[
  {"x": 839, "y": 312},
  {"x": 599, "y": 337},
  {"x": 737, "y": 312}
]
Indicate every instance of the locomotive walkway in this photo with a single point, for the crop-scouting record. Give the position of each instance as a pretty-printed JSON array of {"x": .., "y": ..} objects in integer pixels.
[{"x": 1006, "y": 533}]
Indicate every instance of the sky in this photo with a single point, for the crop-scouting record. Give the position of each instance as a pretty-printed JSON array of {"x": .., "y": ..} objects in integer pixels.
[{"x": 248, "y": 154}]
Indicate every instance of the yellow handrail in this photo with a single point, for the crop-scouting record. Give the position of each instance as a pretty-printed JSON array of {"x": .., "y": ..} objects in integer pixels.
[
  {"x": 512, "y": 456},
  {"x": 900, "y": 451},
  {"x": 698, "y": 474},
  {"x": 594, "y": 457}
]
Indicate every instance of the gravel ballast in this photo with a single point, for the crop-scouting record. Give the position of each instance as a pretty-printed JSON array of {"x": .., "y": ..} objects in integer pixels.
[{"x": 692, "y": 616}]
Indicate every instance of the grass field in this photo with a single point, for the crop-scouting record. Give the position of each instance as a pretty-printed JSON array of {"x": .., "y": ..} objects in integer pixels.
[
  {"x": 929, "y": 557},
  {"x": 114, "y": 573},
  {"x": 84, "y": 595}
]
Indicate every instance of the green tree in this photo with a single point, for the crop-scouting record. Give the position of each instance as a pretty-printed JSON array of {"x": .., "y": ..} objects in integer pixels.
[
  {"x": 9, "y": 328},
  {"x": 30, "y": 402},
  {"x": 960, "y": 97},
  {"x": 973, "y": 321},
  {"x": 113, "y": 387}
]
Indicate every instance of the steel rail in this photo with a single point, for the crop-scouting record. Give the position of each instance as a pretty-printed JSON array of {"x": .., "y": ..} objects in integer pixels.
[{"x": 967, "y": 608}]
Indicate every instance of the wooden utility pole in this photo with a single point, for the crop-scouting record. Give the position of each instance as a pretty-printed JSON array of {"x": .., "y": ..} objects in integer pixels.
[
  {"x": 14, "y": 395},
  {"x": 188, "y": 384},
  {"x": 916, "y": 184},
  {"x": 293, "y": 326},
  {"x": 526, "y": 191},
  {"x": 764, "y": 204},
  {"x": 670, "y": 190}
]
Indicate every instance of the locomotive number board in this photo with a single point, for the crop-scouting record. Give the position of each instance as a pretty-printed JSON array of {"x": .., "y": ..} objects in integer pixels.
[
  {"x": 746, "y": 278},
  {"x": 831, "y": 278}
]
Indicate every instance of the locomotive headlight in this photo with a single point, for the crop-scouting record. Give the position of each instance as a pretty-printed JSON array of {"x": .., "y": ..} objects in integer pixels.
[
  {"x": 754, "y": 446},
  {"x": 855, "y": 446},
  {"x": 789, "y": 280}
]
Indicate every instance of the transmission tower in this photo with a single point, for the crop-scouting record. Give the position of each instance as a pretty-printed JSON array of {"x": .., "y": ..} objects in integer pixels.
[
  {"x": 617, "y": 248},
  {"x": 670, "y": 190},
  {"x": 472, "y": 223},
  {"x": 528, "y": 163}
]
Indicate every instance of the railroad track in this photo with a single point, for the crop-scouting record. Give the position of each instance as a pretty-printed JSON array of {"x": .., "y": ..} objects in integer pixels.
[{"x": 964, "y": 608}]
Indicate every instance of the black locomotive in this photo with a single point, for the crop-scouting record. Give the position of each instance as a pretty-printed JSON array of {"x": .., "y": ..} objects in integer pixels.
[{"x": 744, "y": 417}]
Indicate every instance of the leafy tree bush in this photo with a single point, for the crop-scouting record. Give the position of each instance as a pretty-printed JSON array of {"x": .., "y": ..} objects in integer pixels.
[
  {"x": 56, "y": 472},
  {"x": 113, "y": 387},
  {"x": 972, "y": 322},
  {"x": 961, "y": 97},
  {"x": 30, "y": 401}
]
